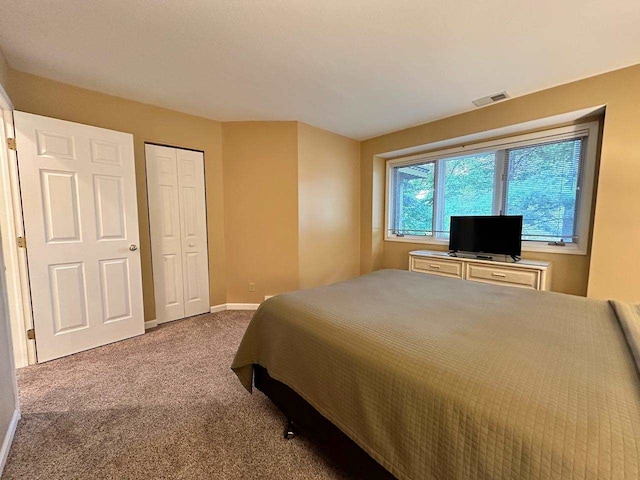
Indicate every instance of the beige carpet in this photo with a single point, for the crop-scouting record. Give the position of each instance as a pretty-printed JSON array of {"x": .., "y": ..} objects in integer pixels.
[{"x": 162, "y": 405}]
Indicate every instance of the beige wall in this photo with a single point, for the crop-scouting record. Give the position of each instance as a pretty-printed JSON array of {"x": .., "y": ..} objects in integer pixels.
[
  {"x": 613, "y": 270},
  {"x": 328, "y": 207},
  {"x": 261, "y": 190},
  {"x": 261, "y": 208},
  {"x": 292, "y": 208},
  {"x": 271, "y": 222},
  {"x": 4, "y": 71},
  {"x": 147, "y": 124}
]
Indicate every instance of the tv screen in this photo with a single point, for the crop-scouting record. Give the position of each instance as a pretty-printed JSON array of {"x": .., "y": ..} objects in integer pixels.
[{"x": 489, "y": 234}]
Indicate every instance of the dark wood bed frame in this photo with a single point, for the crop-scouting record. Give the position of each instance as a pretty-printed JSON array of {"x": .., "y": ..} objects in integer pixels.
[{"x": 301, "y": 416}]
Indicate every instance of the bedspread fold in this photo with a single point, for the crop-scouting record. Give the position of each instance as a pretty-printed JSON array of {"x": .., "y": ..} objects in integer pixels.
[{"x": 629, "y": 317}]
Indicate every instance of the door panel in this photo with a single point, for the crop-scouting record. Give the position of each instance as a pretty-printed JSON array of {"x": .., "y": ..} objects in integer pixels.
[
  {"x": 110, "y": 217},
  {"x": 164, "y": 220},
  {"x": 177, "y": 215},
  {"x": 108, "y": 153},
  {"x": 192, "y": 292},
  {"x": 168, "y": 214},
  {"x": 80, "y": 216},
  {"x": 62, "y": 147},
  {"x": 172, "y": 282},
  {"x": 116, "y": 298},
  {"x": 60, "y": 202},
  {"x": 69, "y": 297},
  {"x": 189, "y": 212},
  {"x": 193, "y": 220}
]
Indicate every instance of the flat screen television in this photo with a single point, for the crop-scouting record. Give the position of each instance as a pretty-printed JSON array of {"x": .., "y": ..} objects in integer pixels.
[{"x": 486, "y": 235}]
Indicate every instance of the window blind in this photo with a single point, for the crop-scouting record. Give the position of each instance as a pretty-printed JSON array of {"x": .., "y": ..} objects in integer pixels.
[{"x": 542, "y": 184}]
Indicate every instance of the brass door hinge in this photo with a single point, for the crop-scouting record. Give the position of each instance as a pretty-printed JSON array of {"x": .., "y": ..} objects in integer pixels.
[
  {"x": 31, "y": 334},
  {"x": 11, "y": 143},
  {"x": 22, "y": 242}
]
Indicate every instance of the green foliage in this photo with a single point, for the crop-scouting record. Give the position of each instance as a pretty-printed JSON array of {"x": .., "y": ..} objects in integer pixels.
[
  {"x": 415, "y": 187},
  {"x": 468, "y": 186},
  {"x": 542, "y": 186}
]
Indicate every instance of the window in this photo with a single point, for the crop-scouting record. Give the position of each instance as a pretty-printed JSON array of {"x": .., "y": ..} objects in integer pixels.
[
  {"x": 546, "y": 177},
  {"x": 467, "y": 186},
  {"x": 542, "y": 185}
]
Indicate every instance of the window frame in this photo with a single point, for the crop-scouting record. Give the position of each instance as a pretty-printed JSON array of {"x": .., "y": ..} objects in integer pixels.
[{"x": 588, "y": 130}]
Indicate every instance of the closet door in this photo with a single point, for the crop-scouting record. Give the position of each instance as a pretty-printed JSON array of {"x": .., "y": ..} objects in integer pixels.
[
  {"x": 193, "y": 221},
  {"x": 177, "y": 217},
  {"x": 164, "y": 223}
]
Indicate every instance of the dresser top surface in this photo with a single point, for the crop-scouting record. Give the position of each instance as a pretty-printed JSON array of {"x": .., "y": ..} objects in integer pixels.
[{"x": 539, "y": 264}]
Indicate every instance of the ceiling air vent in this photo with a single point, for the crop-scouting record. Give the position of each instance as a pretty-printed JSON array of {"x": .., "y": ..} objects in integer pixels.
[{"x": 481, "y": 102}]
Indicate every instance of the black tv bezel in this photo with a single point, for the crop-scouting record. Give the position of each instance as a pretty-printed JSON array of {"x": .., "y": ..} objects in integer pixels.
[{"x": 482, "y": 252}]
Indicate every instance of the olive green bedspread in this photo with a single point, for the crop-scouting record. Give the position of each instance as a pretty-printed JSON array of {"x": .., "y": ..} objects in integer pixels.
[{"x": 447, "y": 379}]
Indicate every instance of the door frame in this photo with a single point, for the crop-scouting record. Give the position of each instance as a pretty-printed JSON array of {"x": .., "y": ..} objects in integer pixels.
[
  {"x": 11, "y": 223},
  {"x": 206, "y": 216}
]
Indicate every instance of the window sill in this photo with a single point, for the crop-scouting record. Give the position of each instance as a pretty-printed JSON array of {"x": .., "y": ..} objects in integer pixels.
[{"x": 570, "y": 249}]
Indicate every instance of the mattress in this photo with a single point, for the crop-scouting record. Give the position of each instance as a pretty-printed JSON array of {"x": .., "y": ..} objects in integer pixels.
[{"x": 442, "y": 378}]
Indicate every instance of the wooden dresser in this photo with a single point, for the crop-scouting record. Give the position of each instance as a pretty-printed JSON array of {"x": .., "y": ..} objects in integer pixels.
[{"x": 522, "y": 274}]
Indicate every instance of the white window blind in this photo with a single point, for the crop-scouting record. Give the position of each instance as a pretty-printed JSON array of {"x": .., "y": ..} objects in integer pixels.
[{"x": 542, "y": 185}]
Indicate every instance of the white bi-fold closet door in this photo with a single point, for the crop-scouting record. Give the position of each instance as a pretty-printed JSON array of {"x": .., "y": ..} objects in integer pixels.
[{"x": 178, "y": 227}]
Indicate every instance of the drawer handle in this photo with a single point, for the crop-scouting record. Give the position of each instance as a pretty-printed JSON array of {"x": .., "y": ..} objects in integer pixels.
[
  {"x": 501, "y": 275},
  {"x": 437, "y": 267}
]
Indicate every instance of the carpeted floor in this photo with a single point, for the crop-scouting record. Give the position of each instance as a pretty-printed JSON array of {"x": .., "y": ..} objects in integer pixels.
[{"x": 162, "y": 405}]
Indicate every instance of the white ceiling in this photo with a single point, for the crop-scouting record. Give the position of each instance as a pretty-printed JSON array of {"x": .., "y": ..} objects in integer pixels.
[{"x": 357, "y": 67}]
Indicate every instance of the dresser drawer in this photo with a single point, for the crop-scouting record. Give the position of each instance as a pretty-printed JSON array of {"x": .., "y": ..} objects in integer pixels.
[
  {"x": 437, "y": 267},
  {"x": 512, "y": 276}
]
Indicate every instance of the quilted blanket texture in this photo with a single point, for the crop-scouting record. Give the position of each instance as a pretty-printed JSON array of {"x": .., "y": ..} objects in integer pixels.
[{"x": 439, "y": 378}]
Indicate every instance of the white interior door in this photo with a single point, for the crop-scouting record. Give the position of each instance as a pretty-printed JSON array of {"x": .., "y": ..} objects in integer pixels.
[
  {"x": 81, "y": 224},
  {"x": 177, "y": 216}
]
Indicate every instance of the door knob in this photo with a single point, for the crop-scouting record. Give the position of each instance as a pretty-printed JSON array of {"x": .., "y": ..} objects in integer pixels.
[
  {"x": 133, "y": 248},
  {"x": 192, "y": 244}
]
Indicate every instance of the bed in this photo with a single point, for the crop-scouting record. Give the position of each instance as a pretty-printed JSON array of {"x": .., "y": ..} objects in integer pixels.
[{"x": 440, "y": 378}]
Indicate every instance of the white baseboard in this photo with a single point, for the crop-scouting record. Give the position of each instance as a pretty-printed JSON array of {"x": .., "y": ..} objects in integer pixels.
[
  {"x": 242, "y": 306},
  {"x": 8, "y": 439},
  {"x": 160, "y": 322},
  {"x": 150, "y": 324},
  {"x": 214, "y": 309},
  {"x": 234, "y": 306},
  {"x": 218, "y": 308}
]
